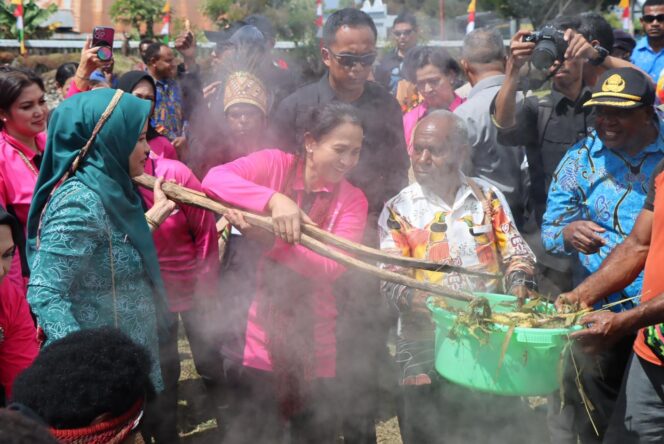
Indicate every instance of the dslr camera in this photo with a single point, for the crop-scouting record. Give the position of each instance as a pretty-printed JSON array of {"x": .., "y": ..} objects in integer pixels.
[{"x": 550, "y": 45}]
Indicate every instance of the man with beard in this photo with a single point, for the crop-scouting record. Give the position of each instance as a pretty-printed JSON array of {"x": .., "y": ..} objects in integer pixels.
[
  {"x": 178, "y": 88},
  {"x": 439, "y": 218},
  {"x": 649, "y": 52}
]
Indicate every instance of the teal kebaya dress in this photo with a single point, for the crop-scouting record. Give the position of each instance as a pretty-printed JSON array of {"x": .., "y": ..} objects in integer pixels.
[{"x": 92, "y": 259}]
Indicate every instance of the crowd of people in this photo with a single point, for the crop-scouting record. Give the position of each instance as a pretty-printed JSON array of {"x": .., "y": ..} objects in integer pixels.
[{"x": 548, "y": 181}]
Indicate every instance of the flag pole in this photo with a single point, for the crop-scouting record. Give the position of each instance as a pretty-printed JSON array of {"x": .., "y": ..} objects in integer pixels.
[
  {"x": 166, "y": 21},
  {"x": 471, "y": 16},
  {"x": 441, "y": 18},
  {"x": 626, "y": 16},
  {"x": 18, "y": 13}
]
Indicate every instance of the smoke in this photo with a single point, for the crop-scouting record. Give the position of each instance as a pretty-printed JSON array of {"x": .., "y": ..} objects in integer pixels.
[{"x": 365, "y": 386}]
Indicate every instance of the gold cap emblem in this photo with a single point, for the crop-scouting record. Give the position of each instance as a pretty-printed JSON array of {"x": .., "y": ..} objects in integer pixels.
[{"x": 614, "y": 84}]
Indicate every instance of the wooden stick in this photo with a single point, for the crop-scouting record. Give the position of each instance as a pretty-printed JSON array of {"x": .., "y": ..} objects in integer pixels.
[
  {"x": 186, "y": 196},
  {"x": 369, "y": 253},
  {"x": 317, "y": 233}
]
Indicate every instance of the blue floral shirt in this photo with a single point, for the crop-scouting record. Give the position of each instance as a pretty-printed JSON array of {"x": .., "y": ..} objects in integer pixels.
[
  {"x": 168, "y": 117},
  {"x": 87, "y": 274},
  {"x": 608, "y": 187}
]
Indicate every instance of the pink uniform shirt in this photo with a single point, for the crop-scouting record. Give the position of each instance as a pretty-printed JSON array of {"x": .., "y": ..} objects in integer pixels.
[
  {"x": 250, "y": 182},
  {"x": 19, "y": 345},
  {"x": 163, "y": 147},
  {"x": 18, "y": 177},
  {"x": 186, "y": 242},
  {"x": 413, "y": 116}
]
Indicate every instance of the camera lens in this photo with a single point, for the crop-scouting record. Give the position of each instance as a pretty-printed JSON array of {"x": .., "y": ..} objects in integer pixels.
[
  {"x": 544, "y": 54},
  {"x": 104, "y": 53}
]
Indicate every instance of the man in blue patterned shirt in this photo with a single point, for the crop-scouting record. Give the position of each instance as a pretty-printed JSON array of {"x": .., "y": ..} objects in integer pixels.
[
  {"x": 596, "y": 193},
  {"x": 649, "y": 52},
  {"x": 176, "y": 86}
]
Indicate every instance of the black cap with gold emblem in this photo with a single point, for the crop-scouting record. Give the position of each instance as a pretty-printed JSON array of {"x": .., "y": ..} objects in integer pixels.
[{"x": 623, "y": 88}]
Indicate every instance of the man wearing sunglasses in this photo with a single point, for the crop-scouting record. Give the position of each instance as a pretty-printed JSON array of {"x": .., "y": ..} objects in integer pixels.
[
  {"x": 388, "y": 72},
  {"x": 349, "y": 50},
  {"x": 649, "y": 52}
]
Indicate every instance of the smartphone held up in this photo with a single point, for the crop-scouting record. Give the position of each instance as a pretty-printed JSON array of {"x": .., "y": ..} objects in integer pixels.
[{"x": 102, "y": 37}]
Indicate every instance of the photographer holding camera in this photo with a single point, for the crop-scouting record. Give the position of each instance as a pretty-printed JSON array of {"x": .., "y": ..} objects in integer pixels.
[{"x": 550, "y": 125}]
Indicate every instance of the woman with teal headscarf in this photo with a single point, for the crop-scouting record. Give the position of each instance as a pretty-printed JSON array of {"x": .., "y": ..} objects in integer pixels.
[{"x": 91, "y": 253}]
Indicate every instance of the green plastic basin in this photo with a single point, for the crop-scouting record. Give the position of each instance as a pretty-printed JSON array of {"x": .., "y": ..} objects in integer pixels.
[{"x": 531, "y": 363}]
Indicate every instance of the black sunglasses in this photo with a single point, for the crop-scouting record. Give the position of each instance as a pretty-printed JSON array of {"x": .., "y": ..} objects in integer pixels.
[
  {"x": 405, "y": 33},
  {"x": 349, "y": 60},
  {"x": 652, "y": 18}
]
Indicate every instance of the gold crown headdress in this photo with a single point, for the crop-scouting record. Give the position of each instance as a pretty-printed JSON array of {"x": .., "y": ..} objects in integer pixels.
[
  {"x": 242, "y": 83},
  {"x": 244, "y": 87}
]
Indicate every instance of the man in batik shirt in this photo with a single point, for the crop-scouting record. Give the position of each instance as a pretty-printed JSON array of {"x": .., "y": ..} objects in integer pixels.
[{"x": 449, "y": 218}]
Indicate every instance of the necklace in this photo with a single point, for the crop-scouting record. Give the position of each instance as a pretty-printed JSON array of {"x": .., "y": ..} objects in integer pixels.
[
  {"x": 25, "y": 159},
  {"x": 27, "y": 162}
]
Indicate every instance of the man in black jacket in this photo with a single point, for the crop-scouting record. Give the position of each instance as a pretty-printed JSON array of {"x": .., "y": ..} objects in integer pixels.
[{"x": 349, "y": 50}]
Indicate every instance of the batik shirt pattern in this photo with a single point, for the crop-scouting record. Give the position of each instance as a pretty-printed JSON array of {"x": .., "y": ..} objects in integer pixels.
[
  {"x": 168, "y": 118},
  {"x": 608, "y": 187},
  {"x": 87, "y": 274}
]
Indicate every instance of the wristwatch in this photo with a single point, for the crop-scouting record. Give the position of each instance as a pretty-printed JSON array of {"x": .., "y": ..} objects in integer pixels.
[{"x": 601, "y": 55}]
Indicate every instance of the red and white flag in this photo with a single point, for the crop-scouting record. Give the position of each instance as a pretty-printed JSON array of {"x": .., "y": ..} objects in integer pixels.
[
  {"x": 319, "y": 13},
  {"x": 471, "y": 17},
  {"x": 18, "y": 13},
  {"x": 166, "y": 21},
  {"x": 626, "y": 15}
]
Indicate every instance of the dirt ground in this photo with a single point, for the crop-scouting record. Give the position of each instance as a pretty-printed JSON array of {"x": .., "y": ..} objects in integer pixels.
[{"x": 197, "y": 425}]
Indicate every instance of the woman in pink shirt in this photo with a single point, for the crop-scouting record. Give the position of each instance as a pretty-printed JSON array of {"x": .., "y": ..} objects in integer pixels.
[
  {"x": 23, "y": 114},
  {"x": 18, "y": 336},
  {"x": 187, "y": 249},
  {"x": 288, "y": 363},
  {"x": 434, "y": 72},
  {"x": 188, "y": 255}
]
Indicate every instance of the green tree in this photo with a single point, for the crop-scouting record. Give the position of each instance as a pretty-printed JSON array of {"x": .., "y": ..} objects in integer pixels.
[
  {"x": 224, "y": 12},
  {"x": 138, "y": 12},
  {"x": 293, "y": 19},
  {"x": 541, "y": 11},
  {"x": 537, "y": 11},
  {"x": 33, "y": 18}
]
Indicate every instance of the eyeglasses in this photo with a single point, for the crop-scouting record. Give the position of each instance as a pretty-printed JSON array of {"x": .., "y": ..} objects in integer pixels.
[
  {"x": 406, "y": 33},
  {"x": 349, "y": 60},
  {"x": 652, "y": 18}
]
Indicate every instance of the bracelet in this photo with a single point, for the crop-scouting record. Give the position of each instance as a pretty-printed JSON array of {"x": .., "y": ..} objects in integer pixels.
[
  {"x": 151, "y": 222},
  {"x": 82, "y": 78},
  {"x": 519, "y": 279}
]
